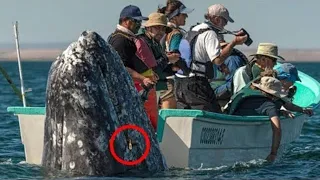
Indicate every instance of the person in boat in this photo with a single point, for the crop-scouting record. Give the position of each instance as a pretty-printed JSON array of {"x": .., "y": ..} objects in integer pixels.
[
  {"x": 287, "y": 73},
  {"x": 265, "y": 58},
  {"x": 149, "y": 49},
  {"x": 194, "y": 91},
  {"x": 224, "y": 73},
  {"x": 177, "y": 14},
  {"x": 264, "y": 97},
  {"x": 122, "y": 40}
]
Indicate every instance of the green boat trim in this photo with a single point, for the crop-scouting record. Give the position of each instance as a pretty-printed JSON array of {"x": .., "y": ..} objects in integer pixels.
[
  {"x": 163, "y": 115},
  {"x": 27, "y": 110}
]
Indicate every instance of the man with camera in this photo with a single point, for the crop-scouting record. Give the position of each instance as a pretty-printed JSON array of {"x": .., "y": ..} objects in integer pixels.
[{"x": 196, "y": 92}]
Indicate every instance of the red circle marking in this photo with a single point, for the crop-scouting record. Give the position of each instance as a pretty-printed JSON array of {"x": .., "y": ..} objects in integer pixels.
[{"x": 146, "y": 139}]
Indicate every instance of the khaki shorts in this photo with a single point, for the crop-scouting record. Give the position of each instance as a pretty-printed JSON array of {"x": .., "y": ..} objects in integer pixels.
[{"x": 169, "y": 93}]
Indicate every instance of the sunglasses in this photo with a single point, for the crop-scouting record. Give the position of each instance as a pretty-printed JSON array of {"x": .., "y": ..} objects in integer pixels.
[{"x": 135, "y": 21}]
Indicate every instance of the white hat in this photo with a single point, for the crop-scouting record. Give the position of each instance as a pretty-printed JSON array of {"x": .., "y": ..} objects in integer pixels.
[{"x": 220, "y": 10}]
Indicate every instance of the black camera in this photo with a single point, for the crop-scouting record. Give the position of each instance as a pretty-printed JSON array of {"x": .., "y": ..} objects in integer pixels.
[
  {"x": 249, "y": 40},
  {"x": 292, "y": 91},
  {"x": 145, "y": 92}
]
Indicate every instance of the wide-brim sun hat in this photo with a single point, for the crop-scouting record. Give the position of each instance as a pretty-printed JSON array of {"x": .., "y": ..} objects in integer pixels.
[
  {"x": 157, "y": 19},
  {"x": 271, "y": 86},
  {"x": 268, "y": 49}
]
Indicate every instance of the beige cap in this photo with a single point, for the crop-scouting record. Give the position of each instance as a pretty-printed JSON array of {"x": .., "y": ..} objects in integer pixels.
[
  {"x": 220, "y": 10},
  {"x": 268, "y": 49}
]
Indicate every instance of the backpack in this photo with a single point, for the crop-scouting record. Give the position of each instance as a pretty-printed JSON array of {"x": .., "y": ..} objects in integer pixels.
[{"x": 191, "y": 37}]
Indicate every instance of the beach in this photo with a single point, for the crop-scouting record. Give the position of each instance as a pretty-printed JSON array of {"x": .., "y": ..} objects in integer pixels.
[
  {"x": 30, "y": 54},
  {"x": 50, "y": 54}
]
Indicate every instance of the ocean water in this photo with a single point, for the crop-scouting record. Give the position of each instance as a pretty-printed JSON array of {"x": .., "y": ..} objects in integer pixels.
[{"x": 301, "y": 160}]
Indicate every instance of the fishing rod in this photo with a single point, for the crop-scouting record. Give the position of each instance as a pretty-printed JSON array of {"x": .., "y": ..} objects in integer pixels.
[
  {"x": 13, "y": 86},
  {"x": 22, "y": 93}
]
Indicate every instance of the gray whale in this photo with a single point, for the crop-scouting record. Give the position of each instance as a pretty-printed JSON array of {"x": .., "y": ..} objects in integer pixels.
[{"x": 89, "y": 95}]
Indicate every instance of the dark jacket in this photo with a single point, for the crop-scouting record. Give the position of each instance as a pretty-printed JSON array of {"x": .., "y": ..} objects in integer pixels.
[
  {"x": 163, "y": 69},
  {"x": 124, "y": 44}
]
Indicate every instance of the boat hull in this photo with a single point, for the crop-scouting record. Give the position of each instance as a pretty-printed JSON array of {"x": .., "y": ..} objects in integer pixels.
[
  {"x": 201, "y": 142},
  {"x": 198, "y": 139},
  {"x": 32, "y": 133}
]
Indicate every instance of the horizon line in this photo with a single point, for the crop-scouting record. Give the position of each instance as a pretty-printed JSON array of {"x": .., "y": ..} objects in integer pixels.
[{"x": 59, "y": 45}]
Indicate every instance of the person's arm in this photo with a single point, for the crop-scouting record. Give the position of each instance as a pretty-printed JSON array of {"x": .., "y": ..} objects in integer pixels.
[
  {"x": 226, "y": 51},
  {"x": 292, "y": 107},
  {"x": 276, "y": 137},
  {"x": 138, "y": 77},
  {"x": 135, "y": 75},
  {"x": 270, "y": 109}
]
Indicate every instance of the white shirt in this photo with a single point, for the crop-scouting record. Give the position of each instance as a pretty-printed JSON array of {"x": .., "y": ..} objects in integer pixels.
[{"x": 207, "y": 46}]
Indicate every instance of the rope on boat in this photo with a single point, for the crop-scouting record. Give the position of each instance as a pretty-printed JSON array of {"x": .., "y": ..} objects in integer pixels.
[{"x": 13, "y": 86}]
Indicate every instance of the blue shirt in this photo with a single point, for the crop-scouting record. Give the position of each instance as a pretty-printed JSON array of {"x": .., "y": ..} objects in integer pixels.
[{"x": 233, "y": 62}]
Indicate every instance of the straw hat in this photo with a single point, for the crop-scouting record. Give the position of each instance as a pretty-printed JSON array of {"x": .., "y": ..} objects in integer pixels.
[
  {"x": 271, "y": 86},
  {"x": 156, "y": 19},
  {"x": 268, "y": 49}
]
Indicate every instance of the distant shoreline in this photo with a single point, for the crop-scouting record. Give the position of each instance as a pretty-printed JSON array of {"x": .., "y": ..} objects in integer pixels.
[{"x": 50, "y": 54}]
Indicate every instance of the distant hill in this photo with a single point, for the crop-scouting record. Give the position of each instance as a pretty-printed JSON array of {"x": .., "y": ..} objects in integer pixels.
[
  {"x": 36, "y": 45},
  {"x": 49, "y": 51},
  {"x": 294, "y": 54}
]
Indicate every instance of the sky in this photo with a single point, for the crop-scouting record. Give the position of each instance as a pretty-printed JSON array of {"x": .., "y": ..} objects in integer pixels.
[{"x": 287, "y": 23}]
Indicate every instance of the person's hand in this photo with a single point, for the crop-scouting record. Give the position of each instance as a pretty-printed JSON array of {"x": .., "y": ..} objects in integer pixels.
[
  {"x": 224, "y": 69},
  {"x": 240, "y": 33},
  {"x": 287, "y": 114},
  {"x": 155, "y": 77},
  {"x": 148, "y": 81},
  {"x": 175, "y": 68},
  {"x": 307, "y": 111},
  {"x": 240, "y": 38},
  {"x": 271, "y": 157},
  {"x": 173, "y": 57}
]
